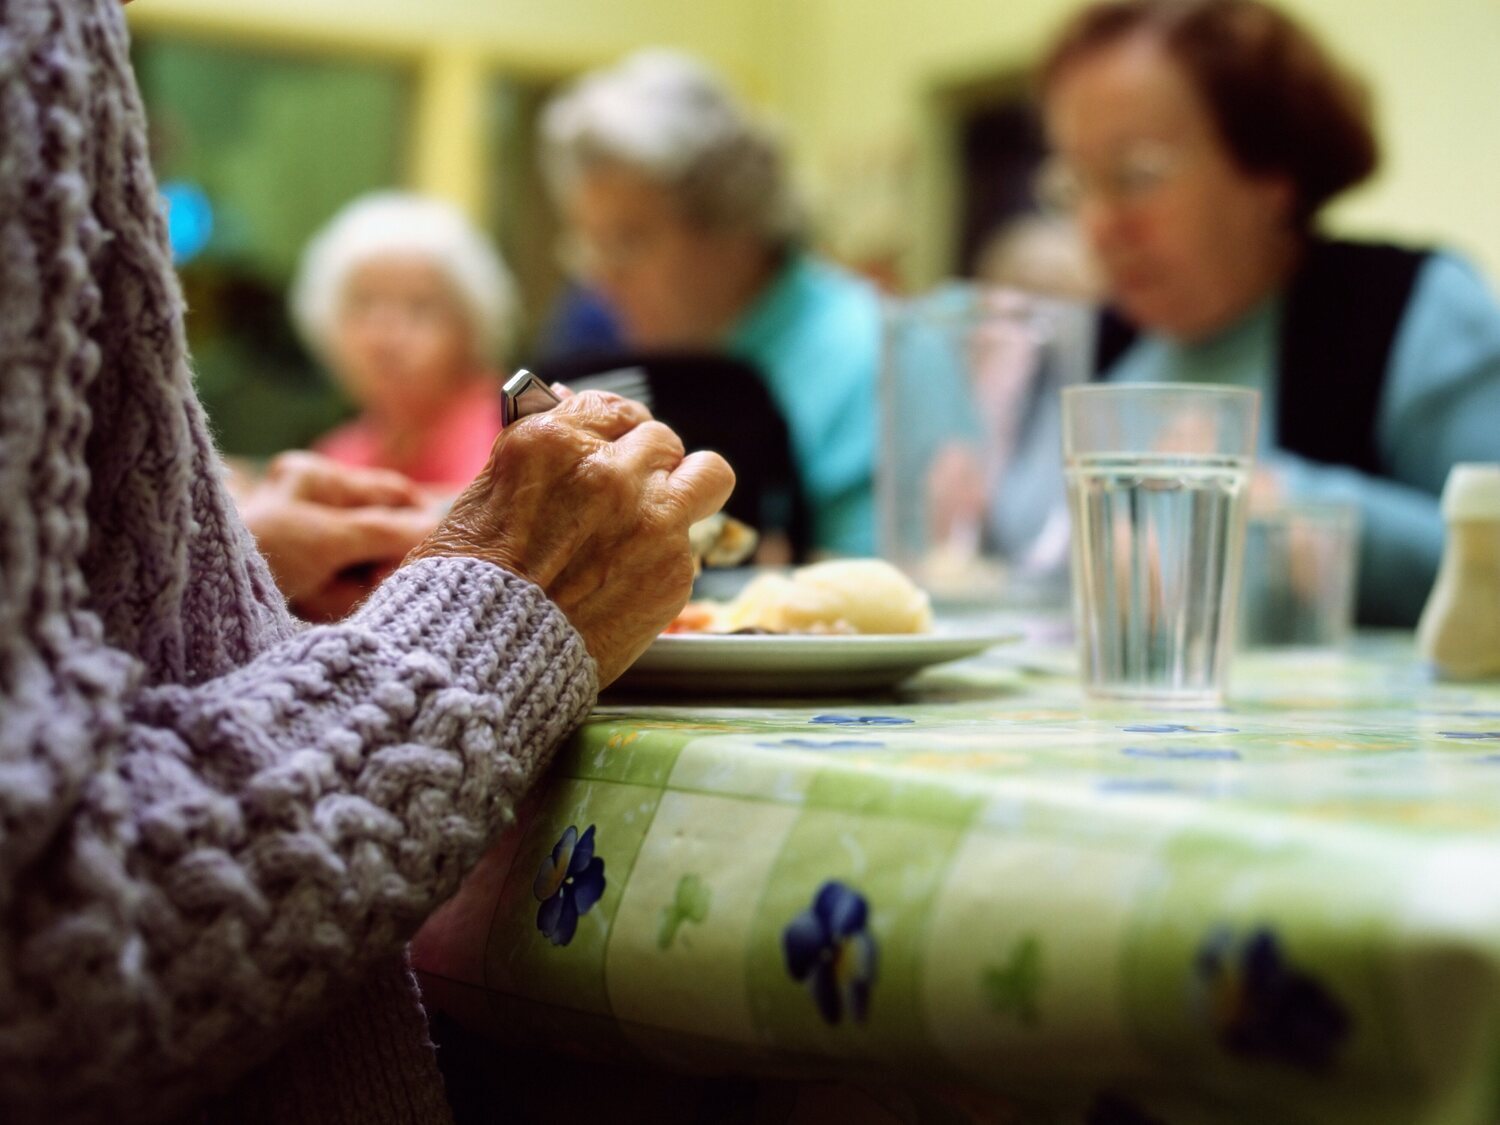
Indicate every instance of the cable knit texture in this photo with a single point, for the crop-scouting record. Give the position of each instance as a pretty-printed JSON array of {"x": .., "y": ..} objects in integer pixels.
[{"x": 217, "y": 828}]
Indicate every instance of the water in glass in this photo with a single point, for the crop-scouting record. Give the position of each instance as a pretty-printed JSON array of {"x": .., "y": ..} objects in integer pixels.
[{"x": 1157, "y": 571}]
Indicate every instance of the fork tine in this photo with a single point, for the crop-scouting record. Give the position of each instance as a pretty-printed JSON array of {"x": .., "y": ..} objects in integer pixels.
[
  {"x": 627, "y": 382},
  {"x": 640, "y": 391},
  {"x": 619, "y": 384}
]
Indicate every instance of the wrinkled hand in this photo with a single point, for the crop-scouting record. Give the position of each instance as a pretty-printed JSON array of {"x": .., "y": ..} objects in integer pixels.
[
  {"x": 1268, "y": 489},
  {"x": 956, "y": 497},
  {"x": 591, "y": 501},
  {"x": 331, "y": 533}
]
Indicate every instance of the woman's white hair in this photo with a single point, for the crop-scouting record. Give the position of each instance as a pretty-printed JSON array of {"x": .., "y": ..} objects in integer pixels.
[
  {"x": 397, "y": 224},
  {"x": 668, "y": 117}
]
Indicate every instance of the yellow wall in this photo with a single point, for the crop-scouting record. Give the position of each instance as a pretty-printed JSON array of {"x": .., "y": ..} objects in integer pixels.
[
  {"x": 453, "y": 46},
  {"x": 854, "y": 81},
  {"x": 552, "y": 36},
  {"x": 1436, "y": 72},
  {"x": 545, "y": 33}
]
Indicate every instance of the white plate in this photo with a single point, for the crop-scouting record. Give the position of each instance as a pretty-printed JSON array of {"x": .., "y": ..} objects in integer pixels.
[{"x": 712, "y": 663}]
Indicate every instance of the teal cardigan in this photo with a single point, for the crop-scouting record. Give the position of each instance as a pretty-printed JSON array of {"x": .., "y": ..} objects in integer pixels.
[{"x": 814, "y": 334}]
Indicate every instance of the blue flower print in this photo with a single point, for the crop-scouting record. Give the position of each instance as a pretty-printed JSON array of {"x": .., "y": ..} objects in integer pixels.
[
  {"x": 1175, "y": 728},
  {"x": 1262, "y": 1006},
  {"x": 861, "y": 720},
  {"x": 1184, "y": 753},
  {"x": 568, "y": 883},
  {"x": 830, "y": 948},
  {"x": 1137, "y": 785}
]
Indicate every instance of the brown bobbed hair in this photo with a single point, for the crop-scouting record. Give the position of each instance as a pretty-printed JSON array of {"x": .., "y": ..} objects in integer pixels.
[{"x": 1281, "y": 104}]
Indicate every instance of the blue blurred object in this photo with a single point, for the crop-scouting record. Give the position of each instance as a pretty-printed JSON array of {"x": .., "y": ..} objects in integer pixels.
[
  {"x": 190, "y": 219},
  {"x": 580, "y": 322}
]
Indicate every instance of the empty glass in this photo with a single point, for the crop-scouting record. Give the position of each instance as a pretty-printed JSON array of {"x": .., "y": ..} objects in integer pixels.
[
  {"x": 1157, "y": 480},
  {"x": 970, "y": 500},
  {"x": 1301, "y": 566}
]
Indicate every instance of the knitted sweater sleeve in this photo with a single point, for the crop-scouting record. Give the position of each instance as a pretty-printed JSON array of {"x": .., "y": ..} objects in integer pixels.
[
  {"x": 201, "y": 843},
  {"x": 190, "y": 871}
]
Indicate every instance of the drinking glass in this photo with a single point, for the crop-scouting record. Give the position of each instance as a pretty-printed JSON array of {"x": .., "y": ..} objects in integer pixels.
[
  {"x": 1301, "y": 566},
  {"x": 970, "y": 498},
  {"x": 1157, "y": 479}
]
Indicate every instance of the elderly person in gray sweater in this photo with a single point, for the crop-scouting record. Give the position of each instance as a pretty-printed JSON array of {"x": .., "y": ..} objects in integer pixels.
[{"x": 218, "y": 828}]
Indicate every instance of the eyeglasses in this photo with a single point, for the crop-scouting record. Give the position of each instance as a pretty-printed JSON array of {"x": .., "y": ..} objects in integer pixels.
[
  {"x": 583, "y": 257},
  {"x": 1136, "y": 175},
  {"x": 407, "y": 308}
]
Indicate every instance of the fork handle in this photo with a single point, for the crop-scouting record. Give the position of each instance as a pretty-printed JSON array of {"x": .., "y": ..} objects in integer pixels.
[{"x": 525, "y": 393}]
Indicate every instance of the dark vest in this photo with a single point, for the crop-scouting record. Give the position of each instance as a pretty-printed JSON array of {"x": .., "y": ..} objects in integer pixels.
[{"x": 1338, "y": 324}]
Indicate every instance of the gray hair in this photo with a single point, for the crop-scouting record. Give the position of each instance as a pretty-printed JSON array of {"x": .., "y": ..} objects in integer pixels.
[
  {"x": 390, "y": 223},
  {"x": 669, "y": 118}
]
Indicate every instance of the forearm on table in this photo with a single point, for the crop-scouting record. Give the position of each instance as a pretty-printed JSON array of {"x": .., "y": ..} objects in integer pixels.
[{"x": 248, "y": 845}]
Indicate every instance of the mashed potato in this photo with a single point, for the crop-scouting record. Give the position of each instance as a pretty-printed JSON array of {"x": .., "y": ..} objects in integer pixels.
[{"x": 842, "y": 596}]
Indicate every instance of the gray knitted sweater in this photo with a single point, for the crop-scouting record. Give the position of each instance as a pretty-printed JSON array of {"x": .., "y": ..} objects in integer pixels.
[{"x": 217, "y": 829}]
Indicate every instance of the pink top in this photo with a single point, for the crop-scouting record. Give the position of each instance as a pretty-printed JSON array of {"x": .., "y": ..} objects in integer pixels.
[{"x": 451, "y": 452}]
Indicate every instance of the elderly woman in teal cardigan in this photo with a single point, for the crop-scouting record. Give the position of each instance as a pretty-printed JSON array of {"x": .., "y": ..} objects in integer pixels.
[{"x": 682, "y": 218}]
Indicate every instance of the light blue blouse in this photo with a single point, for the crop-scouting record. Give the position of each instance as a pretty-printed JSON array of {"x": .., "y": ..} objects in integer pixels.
[
  {"x": 815, "y": 337},
  {"x": 1440, "y": 405}
]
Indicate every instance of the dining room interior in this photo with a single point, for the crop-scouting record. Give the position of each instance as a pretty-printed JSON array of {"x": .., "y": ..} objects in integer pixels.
[{"x": 1084, "y": 708}]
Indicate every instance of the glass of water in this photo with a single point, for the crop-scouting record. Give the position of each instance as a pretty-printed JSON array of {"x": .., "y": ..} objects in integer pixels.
[{"x": 1157, "y": 479}]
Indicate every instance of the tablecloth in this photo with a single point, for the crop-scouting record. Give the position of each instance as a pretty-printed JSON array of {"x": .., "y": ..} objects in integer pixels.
[{"x": 1017, "y": 904}]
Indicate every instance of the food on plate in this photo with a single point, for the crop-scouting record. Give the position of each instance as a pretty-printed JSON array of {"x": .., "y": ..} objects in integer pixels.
[
  {"x": 722, "y": 540},
  {"x": 959, "y": 573},
  {"x": 840, "y": 596}
]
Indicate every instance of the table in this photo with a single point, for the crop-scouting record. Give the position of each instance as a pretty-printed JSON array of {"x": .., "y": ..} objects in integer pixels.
[{"x": 985, "y": 898}]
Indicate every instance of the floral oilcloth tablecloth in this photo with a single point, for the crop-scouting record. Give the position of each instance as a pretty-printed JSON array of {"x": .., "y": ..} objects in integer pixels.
[{"x": 1035, "y": 907}]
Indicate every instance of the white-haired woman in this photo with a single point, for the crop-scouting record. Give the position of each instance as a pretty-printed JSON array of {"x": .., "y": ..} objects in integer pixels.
[
  {"x": 682, "y": 217},
  {"x": 411, "y": 308}
]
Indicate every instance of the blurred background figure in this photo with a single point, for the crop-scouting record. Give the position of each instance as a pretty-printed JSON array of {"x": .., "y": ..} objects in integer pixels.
[
  {"x": 1197, "y": 143},
  {"x": 682, "y": 219},
  {"x": 1041, "y": 254},
  {"x": 410, "y": 308},
  {"x": 918, "y": 156},
  {"x": 579, "y": 323}
]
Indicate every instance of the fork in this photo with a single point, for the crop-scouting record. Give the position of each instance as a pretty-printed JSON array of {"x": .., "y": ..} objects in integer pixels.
[{"x": 627, "y": 382}]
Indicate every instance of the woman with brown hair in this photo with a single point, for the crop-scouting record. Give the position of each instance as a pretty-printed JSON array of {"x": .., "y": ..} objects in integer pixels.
[{"x": 1197, "y": 143}]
